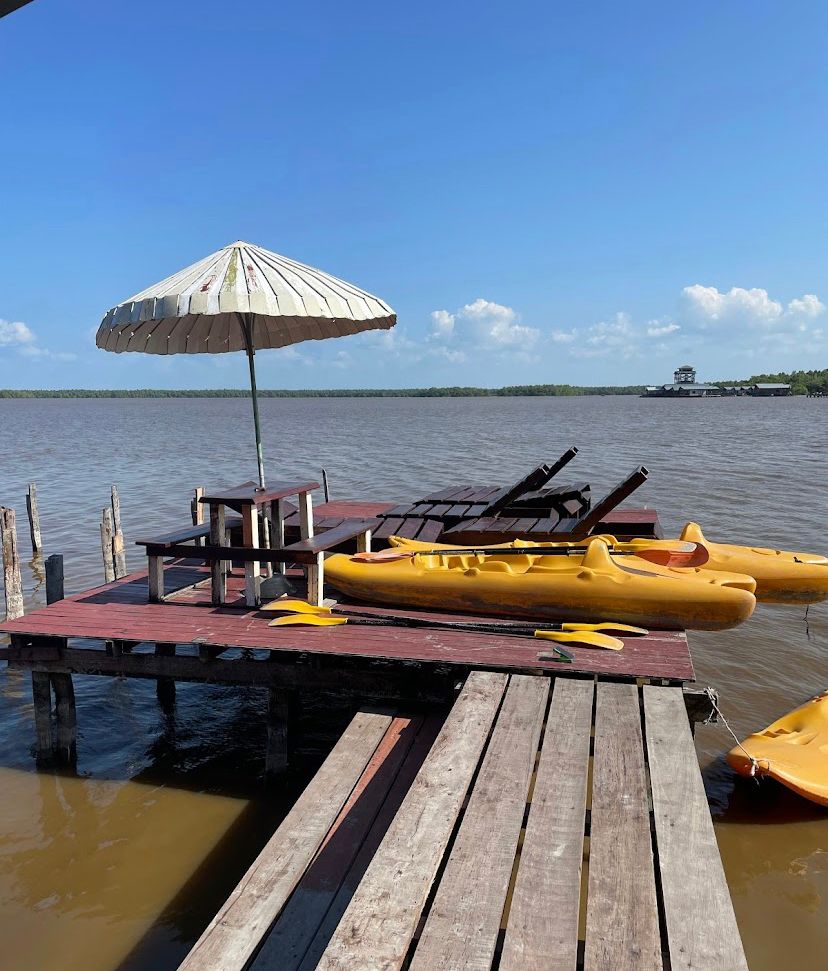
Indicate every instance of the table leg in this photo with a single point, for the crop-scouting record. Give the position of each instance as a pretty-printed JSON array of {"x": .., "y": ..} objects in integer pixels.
[
  {"x": 218, "y": 537},
  {"x": 250, "y": 539},
  {"x": 277, "y": 523},
  {"x": 314, "y": 574}
]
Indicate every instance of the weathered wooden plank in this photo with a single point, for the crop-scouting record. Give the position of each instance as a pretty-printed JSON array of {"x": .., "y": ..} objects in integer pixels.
[
  {"x": 377, "y": 927},
  {"x": 12, "y": 579},
  {"x": 701, "y": 927},
  {"x": 106, "y": 544},
  {"x": 34, "y": 518},
  {"x": 233, "y": 936},
  {"x": 542, "y": 931},
  {"x": 622, "y": 930},
  {"x": 408, "y": 771},
  {"x": 462, "y": 927},
  {"x": 287, "y": 943}
]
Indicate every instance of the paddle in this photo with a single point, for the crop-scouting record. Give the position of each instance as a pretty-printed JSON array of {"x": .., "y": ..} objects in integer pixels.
[
  {"x": 680, "y": 555},
  {"x": 586, "y": 638},
  {"x": 295, "y": 606}
]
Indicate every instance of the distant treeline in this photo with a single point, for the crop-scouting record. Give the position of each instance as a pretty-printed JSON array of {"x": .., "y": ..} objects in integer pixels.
[
  {"x": 514, "y": 390},
  {"x": 801, "y": 382}
]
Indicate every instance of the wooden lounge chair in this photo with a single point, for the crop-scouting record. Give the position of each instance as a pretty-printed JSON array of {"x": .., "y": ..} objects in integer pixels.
[
  {"x": 488, "y": 529},
  {"x": 427, "y": 518}
]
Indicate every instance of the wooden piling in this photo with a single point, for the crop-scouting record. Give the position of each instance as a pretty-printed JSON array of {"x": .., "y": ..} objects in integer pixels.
[
  {"x": 42, "y": 698},
  {"x": 165, "y": 687},
  {"x": 196, "y": 506},
  {"x": 67, "y": 722},
  {"x": 12, "y": 579},
  {"x": 54, "y": 578},
  {"x": 106, "y": 545},
  {"x": 278, "y": 708},
  {"x": 325, "y": 486},
  {"x": 34, "y": 519},
  {"x": 118, "y": 550}
]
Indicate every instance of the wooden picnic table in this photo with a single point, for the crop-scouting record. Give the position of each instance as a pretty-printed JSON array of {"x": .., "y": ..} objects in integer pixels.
[{"x": 249, "y": 500}]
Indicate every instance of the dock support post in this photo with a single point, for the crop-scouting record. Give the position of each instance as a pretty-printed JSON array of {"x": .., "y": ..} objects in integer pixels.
[
  {"x": 118, "y": 550},
  {"x": 34, "y": 519},
  {"x": 54, "y": 578},
  {"x": 42, "y": 698},
  {"x": 278, "y": 711},
  {"x": 106, "y": 545},
  {"x": 165, "y": 687},
  {"x": 12, "y": 579},
  {"x": 67, "y": 721}
]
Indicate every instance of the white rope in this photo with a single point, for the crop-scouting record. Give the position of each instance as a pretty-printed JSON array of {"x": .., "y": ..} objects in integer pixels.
[{"x": 754, "y": 763}]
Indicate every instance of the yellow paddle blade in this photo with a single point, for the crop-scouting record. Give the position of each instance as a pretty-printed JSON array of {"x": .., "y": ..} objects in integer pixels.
[
  {"x": 606, "y": 626},
  {"x": 309, "y": 620},
  {"x": 584, "y": 638},
  {"x": 291, "y": 606}
]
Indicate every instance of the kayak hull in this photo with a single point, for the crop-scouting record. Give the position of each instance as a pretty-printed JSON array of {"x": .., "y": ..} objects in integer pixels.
[
  {"x": 793, "y": 750},
  {"x": 782, "y": 576},
  {"x": 588, "y": 587}
]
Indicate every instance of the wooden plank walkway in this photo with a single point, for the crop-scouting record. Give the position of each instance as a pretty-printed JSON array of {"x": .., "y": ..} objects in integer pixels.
[
  {"x": 474, "y": 849},
  {"x": 120, "y": 612}
]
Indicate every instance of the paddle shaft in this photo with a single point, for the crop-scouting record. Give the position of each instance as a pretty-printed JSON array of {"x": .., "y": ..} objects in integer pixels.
[{"x": 513, "y": 630}]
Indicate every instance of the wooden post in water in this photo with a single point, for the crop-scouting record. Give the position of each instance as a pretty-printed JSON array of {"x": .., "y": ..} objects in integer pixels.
[
  {"x": 12, "y": 580},
  {"x": 42, "y": 698},
  {"x": 34, "y": 519},
  {"x": 278, "y": 710},
  {"x": 54, "y": 578},
  {"x": 118, "y": 551},
  {"x": 197, "y": 507},
  {"x": 325, "y": 489},
  {"x": 165, "y": 687},
  {"x": 106, "y": 545},
  {"x": 67, "y": 721}
]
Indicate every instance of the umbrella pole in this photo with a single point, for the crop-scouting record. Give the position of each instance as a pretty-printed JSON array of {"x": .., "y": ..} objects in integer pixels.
[{"x": 248, "y": 333}]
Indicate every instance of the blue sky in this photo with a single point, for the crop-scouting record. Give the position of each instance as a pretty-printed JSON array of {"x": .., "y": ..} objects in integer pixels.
[{"x": 544, "y": 192}]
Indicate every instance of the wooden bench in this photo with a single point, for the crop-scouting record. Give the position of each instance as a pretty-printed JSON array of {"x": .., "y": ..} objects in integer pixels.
[
  {"x": 465, "y": 850},
  {"x": 309, "y": 552}
]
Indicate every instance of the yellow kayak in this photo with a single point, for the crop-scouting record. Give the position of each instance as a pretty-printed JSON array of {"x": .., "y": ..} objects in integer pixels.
[
  {"x": 781, "y": 576},
  {"x": 793, "y": 750},
  {"x": 591, "y": 586}
]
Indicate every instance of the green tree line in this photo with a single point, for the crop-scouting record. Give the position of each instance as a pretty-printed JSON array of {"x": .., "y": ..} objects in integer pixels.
[{"x": 802, "y": 382}]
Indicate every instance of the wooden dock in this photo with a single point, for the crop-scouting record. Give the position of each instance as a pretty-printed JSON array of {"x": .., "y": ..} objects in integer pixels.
[
  {"x": 488, "y": 807},
  {"x": 544, "y": 825}
]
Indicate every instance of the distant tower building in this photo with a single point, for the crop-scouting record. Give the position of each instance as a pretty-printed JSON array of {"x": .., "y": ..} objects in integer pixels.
[{"x": 684, "y": 375}]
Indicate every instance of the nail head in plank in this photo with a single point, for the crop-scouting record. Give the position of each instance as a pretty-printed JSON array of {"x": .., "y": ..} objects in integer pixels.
[
  {"x": 376, "y": 929},
  {"x": 701, "y": 928},
  {"x": 622, "y": 929},
  {"x": 234, "y": 934},
  {"x": 543, "y": 920},
  {"x": 463, "y": 924}
]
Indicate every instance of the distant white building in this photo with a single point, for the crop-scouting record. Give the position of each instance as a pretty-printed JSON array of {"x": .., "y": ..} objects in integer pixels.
[{"x": 684, "y": 386}]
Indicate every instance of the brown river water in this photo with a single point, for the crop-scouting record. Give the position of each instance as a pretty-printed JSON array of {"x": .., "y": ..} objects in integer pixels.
[{"x": 122, "y": 864}]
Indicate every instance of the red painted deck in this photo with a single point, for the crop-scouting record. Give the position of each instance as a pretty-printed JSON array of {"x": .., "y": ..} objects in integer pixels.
[{"x": 120, "y": 611}]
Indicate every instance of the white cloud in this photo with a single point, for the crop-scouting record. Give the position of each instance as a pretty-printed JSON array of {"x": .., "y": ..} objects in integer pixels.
[
  {"x": 662, "y": 327},
  {"x": 17, "y": 336},
  {"x": 485, "y": 324},
  {"x": 14, "y": 333},
  {"x": 442, "y": 325},
  {"x": 707, "y": 308},
  {"x": 563, "y": 336}
]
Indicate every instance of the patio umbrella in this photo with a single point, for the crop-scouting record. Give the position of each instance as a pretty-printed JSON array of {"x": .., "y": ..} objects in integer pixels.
[{"x": 242, "y": 298}]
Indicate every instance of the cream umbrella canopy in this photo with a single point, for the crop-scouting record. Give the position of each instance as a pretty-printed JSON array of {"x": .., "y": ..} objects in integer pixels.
[{"x": 242, "y": 298}]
